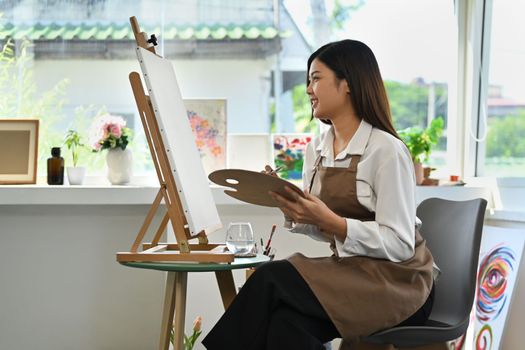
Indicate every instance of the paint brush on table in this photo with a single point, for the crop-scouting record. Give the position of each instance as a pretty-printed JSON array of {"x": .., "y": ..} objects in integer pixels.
[{"x": 267, "y": 248}]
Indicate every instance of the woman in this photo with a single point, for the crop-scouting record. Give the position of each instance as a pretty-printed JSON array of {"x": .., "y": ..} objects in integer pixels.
[{"x": 359, "y": 196}]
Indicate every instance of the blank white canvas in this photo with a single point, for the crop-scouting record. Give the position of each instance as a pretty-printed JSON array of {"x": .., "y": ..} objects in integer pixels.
[{"x": 183, "y": 155}]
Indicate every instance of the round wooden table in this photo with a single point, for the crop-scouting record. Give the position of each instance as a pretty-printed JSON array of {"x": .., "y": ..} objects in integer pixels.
[{"x": 176, "y": 287}]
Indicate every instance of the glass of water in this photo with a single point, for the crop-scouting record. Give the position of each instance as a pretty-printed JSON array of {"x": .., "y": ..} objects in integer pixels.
[{"x": 239, "y": 238}]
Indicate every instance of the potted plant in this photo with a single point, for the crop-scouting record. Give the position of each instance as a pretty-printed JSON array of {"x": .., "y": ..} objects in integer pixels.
[
  {"x": 419, "y": 143},
  {"x": 75, "y": 174}
]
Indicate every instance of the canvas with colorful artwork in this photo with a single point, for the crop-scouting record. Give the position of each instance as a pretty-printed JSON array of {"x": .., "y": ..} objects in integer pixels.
[
  {"x": 288, "y": 154},
  {"x": 499, "y": 260},
  {"x": 208, "y": 122},
  {"x": 500, "y": 255}
]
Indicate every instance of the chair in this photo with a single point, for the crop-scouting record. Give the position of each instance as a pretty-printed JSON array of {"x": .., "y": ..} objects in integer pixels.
[{"x": 452, "y": 230}]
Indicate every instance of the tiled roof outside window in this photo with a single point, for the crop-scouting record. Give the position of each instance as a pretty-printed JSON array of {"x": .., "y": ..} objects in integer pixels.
[{"x": 109, "y": 32}]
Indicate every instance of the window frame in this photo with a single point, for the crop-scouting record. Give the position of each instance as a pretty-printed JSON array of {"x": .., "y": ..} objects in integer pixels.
[{"x": 481, "y": 12}]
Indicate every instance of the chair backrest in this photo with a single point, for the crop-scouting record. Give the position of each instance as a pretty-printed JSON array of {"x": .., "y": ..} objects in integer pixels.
[{"x": 452, "y": 230}]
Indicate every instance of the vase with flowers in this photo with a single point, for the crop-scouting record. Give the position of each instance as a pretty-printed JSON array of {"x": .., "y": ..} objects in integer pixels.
[{"x": 110, "y": 132}]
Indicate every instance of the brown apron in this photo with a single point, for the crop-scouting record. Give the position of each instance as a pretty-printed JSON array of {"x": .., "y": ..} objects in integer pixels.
[{"x": 362, "y": 295}]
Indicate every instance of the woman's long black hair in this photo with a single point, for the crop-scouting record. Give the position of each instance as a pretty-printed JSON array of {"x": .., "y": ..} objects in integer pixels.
[{"x": 355, "y": 62}]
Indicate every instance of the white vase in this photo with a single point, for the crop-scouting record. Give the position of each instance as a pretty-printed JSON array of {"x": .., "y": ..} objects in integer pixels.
[
  {"x": 120, "y": 165},
  {"x": 75, "y": 175}
]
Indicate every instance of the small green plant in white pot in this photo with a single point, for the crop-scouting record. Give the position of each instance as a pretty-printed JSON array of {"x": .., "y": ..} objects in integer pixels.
[
  {"x": 73, "y": 142},
  {"x": 420, "y": 142}
]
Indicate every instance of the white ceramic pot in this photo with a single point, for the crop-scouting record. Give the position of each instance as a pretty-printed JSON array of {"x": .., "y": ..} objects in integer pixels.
[
  {"x": 120, "y": 166},
  {"x": 76, "y": 175}
]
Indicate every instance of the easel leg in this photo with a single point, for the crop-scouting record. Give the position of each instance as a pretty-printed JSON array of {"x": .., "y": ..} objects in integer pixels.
[
  {"x": 180, "y": 310},
  {"x": 226, "y": 286},
  {"x": 167, "y": 313}
]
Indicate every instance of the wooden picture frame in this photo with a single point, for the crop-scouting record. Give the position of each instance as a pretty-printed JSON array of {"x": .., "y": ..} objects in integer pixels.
[{"x": 18, "y": 151}]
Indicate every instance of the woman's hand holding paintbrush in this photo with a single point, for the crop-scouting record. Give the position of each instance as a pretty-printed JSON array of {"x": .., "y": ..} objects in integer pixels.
[{"x": 269, "y": 171}]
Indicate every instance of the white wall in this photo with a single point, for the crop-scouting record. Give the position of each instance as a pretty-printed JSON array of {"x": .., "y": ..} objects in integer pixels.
[
  {"x": 244, "y": 83},
  {"x": 61, "y": 287}
]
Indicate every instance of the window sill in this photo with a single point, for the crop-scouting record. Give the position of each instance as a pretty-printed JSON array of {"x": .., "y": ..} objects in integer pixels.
[
  {"x": 133, "y": 194},
  {"x": 506, "y": 215},
  {"x": 144, "y": 189}
]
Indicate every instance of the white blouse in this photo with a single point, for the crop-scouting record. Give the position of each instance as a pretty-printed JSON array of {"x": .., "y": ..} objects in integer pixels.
[{"x": 385, "y": 185}]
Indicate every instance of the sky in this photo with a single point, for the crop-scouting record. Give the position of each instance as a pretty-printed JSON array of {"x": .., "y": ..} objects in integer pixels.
[
  {"x": 418, "y": 38},
  {"x": 507, "y": 66}
]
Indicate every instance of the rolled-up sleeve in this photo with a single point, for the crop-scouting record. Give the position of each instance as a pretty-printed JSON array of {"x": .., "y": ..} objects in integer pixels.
[
  {"x": 391, "y": 236},
  {"x": 312, "y": 231}
]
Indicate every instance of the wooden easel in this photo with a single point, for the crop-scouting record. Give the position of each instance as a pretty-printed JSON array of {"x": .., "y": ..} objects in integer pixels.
[{"x": 155, "y": 251}]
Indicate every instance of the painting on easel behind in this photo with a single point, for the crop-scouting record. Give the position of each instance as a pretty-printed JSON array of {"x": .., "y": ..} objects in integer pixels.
[{"x": 208, "y": 123}]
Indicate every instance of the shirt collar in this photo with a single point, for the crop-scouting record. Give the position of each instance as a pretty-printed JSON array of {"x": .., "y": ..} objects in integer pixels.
[{"x": 356, "y": 146}]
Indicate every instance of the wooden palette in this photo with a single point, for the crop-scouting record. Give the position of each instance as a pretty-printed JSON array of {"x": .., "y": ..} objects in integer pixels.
[{"x": 253, "y": 187}]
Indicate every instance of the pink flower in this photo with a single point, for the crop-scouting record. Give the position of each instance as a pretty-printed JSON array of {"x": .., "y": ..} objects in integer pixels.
[
  {"x": 96, "y": 146},
  {"x": 106, "y": 128},
  {"x": 197, "y": 324},
  {"x": 116, "y": 130}
]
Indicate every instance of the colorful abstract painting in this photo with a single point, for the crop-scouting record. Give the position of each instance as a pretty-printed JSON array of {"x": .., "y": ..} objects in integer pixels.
[
  {"x": 208, "y": 122},
  {"x": 499, "y": 260},
  {"x": 459, "y": 343},
  {"x": 288, "y": 154}
]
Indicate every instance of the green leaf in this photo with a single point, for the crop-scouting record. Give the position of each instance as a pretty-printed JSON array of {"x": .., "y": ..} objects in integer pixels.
[{"x": 420, "y": 141}]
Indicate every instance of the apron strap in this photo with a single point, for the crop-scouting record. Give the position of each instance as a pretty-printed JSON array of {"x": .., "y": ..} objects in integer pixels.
[
  {"x": 353, "y": 162},
  {"x": 316, "y": 164}
]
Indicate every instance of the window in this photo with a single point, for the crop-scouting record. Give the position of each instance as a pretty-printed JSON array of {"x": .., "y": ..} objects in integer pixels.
[
  {"x": 67, "y": 61},
  {"x": 501, "y": 151},
  {"x": 415, "y": 43}
]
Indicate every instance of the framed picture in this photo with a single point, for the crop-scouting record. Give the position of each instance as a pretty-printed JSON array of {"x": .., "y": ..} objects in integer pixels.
[
  {"x": 288, "y": 154},
  {"x": 208, "y": 123},
  {"x": 18, "y": 151}
]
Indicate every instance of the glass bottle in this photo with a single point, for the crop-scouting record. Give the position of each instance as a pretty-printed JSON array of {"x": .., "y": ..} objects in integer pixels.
[{"x": 55, "y": 168}]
